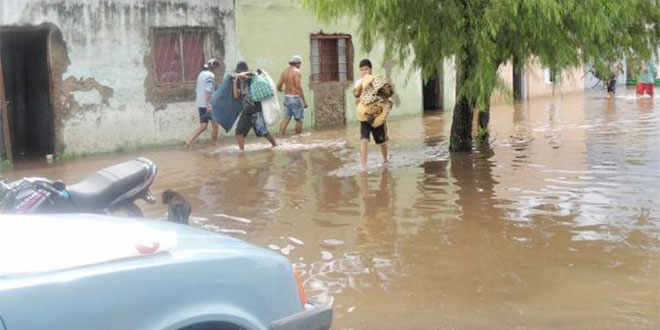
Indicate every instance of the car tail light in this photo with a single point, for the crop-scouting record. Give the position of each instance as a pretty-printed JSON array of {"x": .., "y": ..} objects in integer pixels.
[{"x": 301, "y": 289}]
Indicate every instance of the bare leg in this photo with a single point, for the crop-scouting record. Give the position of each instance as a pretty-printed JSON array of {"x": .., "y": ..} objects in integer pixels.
[
  {"x": 299, "y": 125},
  {"x": 383, "y": 150},
  {"x": 271, "y": 139},
  {"x": 214, "y": 132},
  {"x": 364, "y": 143},
  {"x": 196, "y": 133},
  {"x": 240, "y": 139},
  {"x": 284, "y": 125}
]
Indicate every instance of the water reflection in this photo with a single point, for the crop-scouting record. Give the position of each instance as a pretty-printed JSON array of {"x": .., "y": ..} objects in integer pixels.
[{"x": 555, "y": 225}]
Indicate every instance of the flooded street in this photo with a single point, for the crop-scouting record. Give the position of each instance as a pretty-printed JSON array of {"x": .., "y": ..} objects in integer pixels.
[{"x": 556, "y": 226}]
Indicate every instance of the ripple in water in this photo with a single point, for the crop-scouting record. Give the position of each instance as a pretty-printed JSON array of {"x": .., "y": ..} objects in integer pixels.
[
  {"x": 399, "y": 157},
  {"x": 286, "y": 145}
]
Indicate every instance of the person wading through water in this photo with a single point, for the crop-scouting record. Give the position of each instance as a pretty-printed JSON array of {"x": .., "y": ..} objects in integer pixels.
[
  {"x": 294, "y": 98},
  {"x": 372, "y": 95},
  {"x": 251, "y": 115},
  {"x": 647, "y": 80},
  {"x": 204, "y": 89}
]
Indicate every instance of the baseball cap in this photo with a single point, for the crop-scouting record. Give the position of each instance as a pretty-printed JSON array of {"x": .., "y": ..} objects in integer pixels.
[
  {"x": 296, "y": 59},
  {"x": 213, "y": 63}
]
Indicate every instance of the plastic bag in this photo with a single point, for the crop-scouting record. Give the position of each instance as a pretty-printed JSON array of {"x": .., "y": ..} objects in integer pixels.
[
  {"x": 260, "y": 88},
  {"x": 271, "y": 106}
]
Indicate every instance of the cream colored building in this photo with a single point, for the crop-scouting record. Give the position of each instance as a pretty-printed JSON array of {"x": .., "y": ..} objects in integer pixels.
[{"x": 540, "y": 82}]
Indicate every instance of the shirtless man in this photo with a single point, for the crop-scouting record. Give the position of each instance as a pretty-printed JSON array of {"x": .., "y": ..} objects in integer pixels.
[{"x": 294, "y": 99}]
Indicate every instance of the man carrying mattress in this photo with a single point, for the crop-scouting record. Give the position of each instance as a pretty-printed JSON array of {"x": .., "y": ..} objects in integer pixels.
[
  {"x": 252, "y": 117},
  {"x": 236, "y": 102}
]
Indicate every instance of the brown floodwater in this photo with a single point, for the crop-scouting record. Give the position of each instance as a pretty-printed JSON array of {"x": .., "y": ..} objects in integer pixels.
[{"x": 556, "y": 225}]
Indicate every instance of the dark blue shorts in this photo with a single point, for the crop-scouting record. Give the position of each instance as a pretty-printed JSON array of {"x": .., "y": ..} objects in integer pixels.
[
  {"x": 379, "y": 133},
  {"x": 204, "y": 115},
  {"x": 611, "y": 86},
  {"x": 252, "y": 119}
]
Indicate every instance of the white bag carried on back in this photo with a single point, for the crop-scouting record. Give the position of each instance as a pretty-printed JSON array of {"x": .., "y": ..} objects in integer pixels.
[{"x": 271, "y": 106}]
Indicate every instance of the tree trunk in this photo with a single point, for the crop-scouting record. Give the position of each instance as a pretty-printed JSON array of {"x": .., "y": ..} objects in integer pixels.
[
  {"x": 461, "y": 124},
  {"x": 517, "y": 79},
  {"x": 483, "y": 119}
]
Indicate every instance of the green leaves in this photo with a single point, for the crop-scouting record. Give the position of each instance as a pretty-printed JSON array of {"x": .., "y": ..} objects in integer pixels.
[{"x": 483, "y": 34}]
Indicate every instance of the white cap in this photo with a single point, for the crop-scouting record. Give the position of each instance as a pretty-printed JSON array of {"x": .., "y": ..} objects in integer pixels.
[
  {"x": 296, "y": 59},
  {"x": 212, "y": 63}
]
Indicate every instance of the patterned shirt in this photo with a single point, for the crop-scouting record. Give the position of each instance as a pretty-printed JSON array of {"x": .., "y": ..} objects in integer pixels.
[{"x": 249, "y": 106}]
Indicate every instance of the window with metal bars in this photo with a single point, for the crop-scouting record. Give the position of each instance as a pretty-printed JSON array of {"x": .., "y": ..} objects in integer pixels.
[
  {"x": 332, "y": 57},
  {"x": 178, "y": 54}
]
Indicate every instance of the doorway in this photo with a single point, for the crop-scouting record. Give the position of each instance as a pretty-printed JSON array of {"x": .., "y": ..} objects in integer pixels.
[
  {"x": 433, "y": 92},
  {"x": 30, "y": 118}
]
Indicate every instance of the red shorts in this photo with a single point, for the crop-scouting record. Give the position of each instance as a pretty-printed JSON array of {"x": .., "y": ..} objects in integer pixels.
[{"x": 643, "y": 88}]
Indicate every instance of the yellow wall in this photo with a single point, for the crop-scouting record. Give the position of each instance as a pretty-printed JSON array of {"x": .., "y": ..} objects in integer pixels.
[{"x": 271, "y": 31}]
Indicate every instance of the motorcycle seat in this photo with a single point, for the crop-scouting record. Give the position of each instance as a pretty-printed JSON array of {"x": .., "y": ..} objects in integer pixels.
[{"x": 98, "y": 191}]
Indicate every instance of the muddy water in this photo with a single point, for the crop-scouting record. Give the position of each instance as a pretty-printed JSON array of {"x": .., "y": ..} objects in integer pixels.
[{"x": 555, "y": 226}]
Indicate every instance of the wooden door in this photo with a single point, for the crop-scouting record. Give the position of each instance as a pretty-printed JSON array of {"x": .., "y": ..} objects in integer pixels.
[{"x": 4, "y": 113}]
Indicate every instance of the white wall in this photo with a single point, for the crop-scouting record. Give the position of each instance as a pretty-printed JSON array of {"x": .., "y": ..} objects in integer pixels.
[{"x": 107, "y": 40}]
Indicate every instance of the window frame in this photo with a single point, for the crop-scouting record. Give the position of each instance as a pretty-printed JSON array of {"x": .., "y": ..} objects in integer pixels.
[
  {"x": 319, "y": 37},
  {"x": 204, "y": 32}
]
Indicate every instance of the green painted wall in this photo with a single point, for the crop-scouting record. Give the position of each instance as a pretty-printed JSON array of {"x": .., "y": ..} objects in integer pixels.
[{"x": 269, "y": 32}]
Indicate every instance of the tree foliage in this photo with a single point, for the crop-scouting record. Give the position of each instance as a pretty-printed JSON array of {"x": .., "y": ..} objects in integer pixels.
[{"x": 481, "y": 35}]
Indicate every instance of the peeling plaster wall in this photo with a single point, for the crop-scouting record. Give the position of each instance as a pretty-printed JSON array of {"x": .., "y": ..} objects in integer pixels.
[{"x": 103, "y": 87}]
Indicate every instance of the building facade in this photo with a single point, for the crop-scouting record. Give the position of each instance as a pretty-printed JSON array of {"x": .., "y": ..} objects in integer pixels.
[
  {"x": 270, "y": 32},
  {"x": 84, "y": 76},
  {"x": 105, "y": 75}
]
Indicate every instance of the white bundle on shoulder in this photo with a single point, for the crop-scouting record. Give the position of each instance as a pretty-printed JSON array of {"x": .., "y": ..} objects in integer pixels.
[{"x": 271, "y": 106}]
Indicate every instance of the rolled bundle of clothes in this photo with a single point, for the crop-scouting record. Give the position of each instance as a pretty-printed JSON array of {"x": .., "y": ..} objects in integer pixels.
[{"x": 374, "y": 93}]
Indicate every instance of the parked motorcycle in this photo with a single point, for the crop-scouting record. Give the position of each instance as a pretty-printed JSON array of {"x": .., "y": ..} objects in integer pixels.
[{"x": 111, "y": 190}]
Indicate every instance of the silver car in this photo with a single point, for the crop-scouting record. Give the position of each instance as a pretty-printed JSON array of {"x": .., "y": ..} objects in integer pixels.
[{"x": 94, "y": 272}]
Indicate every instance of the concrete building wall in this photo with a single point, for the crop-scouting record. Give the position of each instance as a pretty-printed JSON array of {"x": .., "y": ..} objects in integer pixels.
[
  {"x": 536, "y": 83},
  {"x": 539, "y": 83},
  {"x": 270, "y": 32},
  {"x": 102, "y": 53}
]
